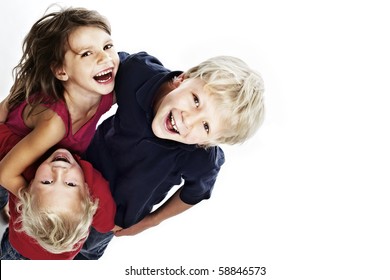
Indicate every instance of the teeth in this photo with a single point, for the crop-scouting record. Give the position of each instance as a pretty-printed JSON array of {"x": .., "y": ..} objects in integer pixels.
[
  {"x": 174, "y": 124},
  {"x": 61, "y": 158},
  {"x": 103, "y": 73}
]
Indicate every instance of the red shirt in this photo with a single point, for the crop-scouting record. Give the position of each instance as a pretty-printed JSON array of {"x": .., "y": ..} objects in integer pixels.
[
  {"x": 77, "y": 142},
  {"x": 103, "y": 220}
]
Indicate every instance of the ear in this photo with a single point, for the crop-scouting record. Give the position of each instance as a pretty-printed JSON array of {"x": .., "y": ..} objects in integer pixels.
[
  {"x": 60, "y": 74},
  {"x": 178, "y": 80}
]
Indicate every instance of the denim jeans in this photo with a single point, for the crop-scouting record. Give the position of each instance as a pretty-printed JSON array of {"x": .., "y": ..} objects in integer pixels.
[
  {"x": 3, "y": 197},
  {"x": 95, "y": 245},
  {"x": 7, "y": 251}
]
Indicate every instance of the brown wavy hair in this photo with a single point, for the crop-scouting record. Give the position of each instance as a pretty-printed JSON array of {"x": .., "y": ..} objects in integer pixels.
[{"x": 44, "y": 50}]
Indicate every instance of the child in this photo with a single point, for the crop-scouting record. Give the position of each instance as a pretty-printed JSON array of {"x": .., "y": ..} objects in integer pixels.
[
  {"x": 165, "y": 132},
  {"x": 51, "y": 218},
  {"x": 63, "y": 84}
]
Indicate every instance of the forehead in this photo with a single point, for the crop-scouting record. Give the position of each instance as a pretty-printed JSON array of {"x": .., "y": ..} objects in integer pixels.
[{"x": 87, "y": 36}]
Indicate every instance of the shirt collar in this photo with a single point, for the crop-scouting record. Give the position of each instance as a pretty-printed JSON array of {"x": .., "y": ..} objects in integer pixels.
[{"x": 146, "y": 93}]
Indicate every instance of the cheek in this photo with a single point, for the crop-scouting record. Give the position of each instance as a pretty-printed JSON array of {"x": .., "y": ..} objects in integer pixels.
[
  {"x": 115, "y": 58},
  {"x": 78, "y": 195},
  {"x": 33, "y": 190},
  {"x": 34, "y": 186},
  {"x": 157, "y": 127},
  {"x": 195, "y": 138},
  {"x": 175, "y": 99}
]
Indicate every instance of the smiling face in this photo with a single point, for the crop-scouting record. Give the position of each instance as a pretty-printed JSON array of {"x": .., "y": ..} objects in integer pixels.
[
  {"x": 90, "y": 63},
  {"x": 187, "y": 114},
  {"x": 59, "y": 181}
]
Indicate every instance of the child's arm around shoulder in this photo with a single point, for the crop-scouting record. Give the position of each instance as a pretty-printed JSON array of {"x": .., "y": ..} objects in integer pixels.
[{"x": 47, "y": 130}]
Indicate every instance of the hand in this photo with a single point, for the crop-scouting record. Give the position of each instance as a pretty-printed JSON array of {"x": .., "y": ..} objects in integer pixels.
[
  {"x": 142, "y": 225},
  {"x": 116, "y": 228},
  {"x": 130, "y": 231}
]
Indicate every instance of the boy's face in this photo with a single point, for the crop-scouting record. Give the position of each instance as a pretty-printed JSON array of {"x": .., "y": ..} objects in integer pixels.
[
  {"x": 187, "y": 114},
  {"x": 59, "y": 181}
]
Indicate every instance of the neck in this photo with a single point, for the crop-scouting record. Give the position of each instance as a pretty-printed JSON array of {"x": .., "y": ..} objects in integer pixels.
[{"x": 82, "y": 104}]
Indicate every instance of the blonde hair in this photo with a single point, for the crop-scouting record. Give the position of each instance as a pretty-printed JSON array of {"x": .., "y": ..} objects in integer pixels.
[
  {"x": 56, "y": 232},
  {"x": 239, "y": 92}
]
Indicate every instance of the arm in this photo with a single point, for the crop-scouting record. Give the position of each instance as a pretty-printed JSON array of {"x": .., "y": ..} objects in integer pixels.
[
  {"x": 3, "y": 110},
  {"x": 172, "y": 207},
  {"x": 48, "y": 130}
]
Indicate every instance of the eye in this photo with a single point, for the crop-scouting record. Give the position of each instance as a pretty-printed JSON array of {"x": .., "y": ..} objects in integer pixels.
[
  {"x": 70, "y": 184},
  {"x": 108, "y": 46},
  {"x": 206, "y": 127},
  {"x": 196, "y": 100},
  {"x": 46, "y": 182},
  {"x": 85, "y": 54}
]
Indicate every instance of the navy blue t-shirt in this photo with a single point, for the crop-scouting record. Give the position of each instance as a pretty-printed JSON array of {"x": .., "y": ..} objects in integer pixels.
[{"x": 140, "y": 167}]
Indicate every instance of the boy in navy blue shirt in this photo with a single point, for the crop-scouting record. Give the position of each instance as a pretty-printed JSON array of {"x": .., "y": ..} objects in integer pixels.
[{"x": 166, "y": 132}]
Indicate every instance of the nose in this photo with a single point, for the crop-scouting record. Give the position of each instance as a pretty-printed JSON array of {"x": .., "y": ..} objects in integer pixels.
[
  {"x": 59, "y": 171},
  {"x": 104, "y": 56},
  {"x": 190, "y": 120},
  {"x": 59, "y": 168}
]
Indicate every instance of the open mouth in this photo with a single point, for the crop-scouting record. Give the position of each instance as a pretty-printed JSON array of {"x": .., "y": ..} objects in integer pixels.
[
  {"x": 171, "y": 124},
  {"x": 61, "y": 158},
  {"x": 104, "y": 76}
]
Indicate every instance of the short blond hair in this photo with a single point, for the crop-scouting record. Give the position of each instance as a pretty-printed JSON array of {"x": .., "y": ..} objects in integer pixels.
[
  {"x": 239, "y": 92},
  {"x": 56, "y": 232}
]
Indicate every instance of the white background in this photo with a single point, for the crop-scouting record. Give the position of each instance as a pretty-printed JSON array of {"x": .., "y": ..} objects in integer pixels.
[{"x": 307, "y": 197}]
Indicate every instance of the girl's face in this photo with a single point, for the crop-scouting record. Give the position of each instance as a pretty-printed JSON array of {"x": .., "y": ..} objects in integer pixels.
[
  {"x": 59, "y": 181},
  {"x": 90, "y": 63},
  {"x": 188, "y": 114}
]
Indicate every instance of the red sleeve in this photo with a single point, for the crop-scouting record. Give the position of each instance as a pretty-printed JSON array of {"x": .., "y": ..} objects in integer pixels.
[
  {"x": 103, "y": 221},
  {"x": 7, "y": 140}
]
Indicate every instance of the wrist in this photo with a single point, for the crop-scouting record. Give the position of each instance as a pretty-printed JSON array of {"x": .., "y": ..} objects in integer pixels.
[{"x": 153, "y": 219}]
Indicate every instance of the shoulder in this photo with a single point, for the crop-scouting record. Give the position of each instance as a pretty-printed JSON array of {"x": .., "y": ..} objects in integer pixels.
[
  {"x": 41, "y": 115},
  {"x": 107, "y": 101},
  {"x": 135, "y": 70},
  {"x": 139, "y": 56},
  {"x": 214, "y": 155},
  {"x": 142, "y": 60},
  {"x": 204, "y": 160}
]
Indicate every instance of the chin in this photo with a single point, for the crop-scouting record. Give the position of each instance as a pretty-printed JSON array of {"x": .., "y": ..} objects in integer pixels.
[{"x": 157, "y": 131}]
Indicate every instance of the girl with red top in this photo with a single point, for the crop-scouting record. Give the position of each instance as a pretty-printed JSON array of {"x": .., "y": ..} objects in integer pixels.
[{"x": 63, "y": 84}]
